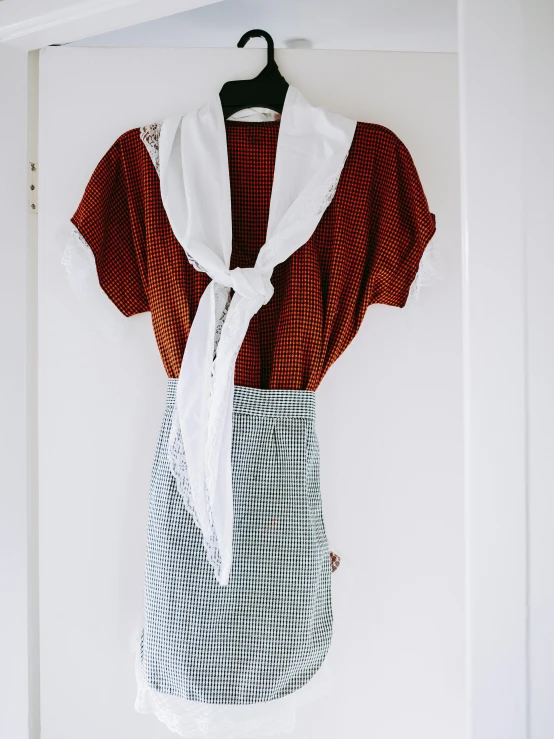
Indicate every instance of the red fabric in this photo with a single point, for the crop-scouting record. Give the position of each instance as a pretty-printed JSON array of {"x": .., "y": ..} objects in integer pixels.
[
  {"x": 335, "y": 561},
  {"x": 365, "y": 250}
]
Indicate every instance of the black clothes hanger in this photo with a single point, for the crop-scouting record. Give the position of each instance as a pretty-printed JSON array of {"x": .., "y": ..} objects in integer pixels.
[{"x": 267, "y": 90}]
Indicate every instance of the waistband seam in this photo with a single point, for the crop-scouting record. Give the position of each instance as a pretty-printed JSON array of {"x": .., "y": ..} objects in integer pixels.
[{"x": 264, "y": 402}]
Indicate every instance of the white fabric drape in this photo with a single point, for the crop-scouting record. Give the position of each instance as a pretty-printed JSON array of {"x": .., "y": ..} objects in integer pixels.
[{"x": 194, "y": 180}]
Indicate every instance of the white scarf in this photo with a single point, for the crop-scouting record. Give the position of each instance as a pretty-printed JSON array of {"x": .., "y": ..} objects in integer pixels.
[{"x": 194, "y": 179}]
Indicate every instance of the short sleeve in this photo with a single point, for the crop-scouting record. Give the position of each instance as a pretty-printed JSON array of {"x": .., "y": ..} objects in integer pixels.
[
  {"x": 109, "y": 223},
  {"x": 400, "y": 224}
]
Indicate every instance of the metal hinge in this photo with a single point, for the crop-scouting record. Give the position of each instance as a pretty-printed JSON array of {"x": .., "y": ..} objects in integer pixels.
[{"x": 33, "y": 188}]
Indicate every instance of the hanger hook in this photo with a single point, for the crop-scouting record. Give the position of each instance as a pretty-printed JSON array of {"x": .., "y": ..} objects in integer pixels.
[{"x": 258, "y": 33}]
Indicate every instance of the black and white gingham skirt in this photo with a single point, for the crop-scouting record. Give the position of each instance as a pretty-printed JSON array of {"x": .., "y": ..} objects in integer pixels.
[{"x": 267, "y": 632}]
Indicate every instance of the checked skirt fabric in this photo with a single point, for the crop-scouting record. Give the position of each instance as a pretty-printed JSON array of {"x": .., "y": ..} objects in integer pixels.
[{"x": 266, "y": 633}]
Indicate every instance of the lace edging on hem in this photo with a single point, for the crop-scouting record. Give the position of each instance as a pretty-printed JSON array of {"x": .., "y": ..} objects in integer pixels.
[{"x": 192, "y": 719}]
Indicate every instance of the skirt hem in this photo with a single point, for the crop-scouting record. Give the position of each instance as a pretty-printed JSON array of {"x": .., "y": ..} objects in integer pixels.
[{"x": 191, "y": 719}]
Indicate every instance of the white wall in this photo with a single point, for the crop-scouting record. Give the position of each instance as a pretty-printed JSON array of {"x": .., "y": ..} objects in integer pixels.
[
  {"x": 15, "y": 620},
  {"x": 492, "y": 114},
  {"x": 538, "y": 184},
  {"x": 507, "y": 118},
  {"x": 32, "y": 24},
  {"x": 390, "y": 417},
  {"x": 402, "y": 25}
]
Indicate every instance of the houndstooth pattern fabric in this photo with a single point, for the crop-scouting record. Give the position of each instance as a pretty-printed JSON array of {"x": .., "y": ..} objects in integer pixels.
[
  {"x": 267, "y": 632},
  {"x": 366, "y": 249}
]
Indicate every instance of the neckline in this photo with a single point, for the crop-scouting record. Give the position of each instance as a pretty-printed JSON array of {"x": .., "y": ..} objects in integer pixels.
[{"x": 311, "y": 148}]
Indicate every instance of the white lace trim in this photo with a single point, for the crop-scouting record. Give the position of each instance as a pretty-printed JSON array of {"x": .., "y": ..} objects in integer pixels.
[
  {"x": 223, "y": 301},
  {"x": 428, "y": 273},
  {"x": 320, "y": 200},
  {"x": 252, "y": 721},
  {"x": 227, "y": 351},
  {"x": 78, "y": 258},
  {"x": 176, "y": 449},
  {"x": 80, "y": 266},
  {"x": 150, "y": 137},
  {"x": 179, "y": 469}
]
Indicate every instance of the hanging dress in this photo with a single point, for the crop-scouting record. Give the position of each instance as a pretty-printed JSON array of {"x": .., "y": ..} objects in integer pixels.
[{"x": 257, "y": 248}]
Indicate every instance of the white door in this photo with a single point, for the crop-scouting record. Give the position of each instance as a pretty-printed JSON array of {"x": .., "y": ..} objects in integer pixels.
[{"x": 390, "y": 416}]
